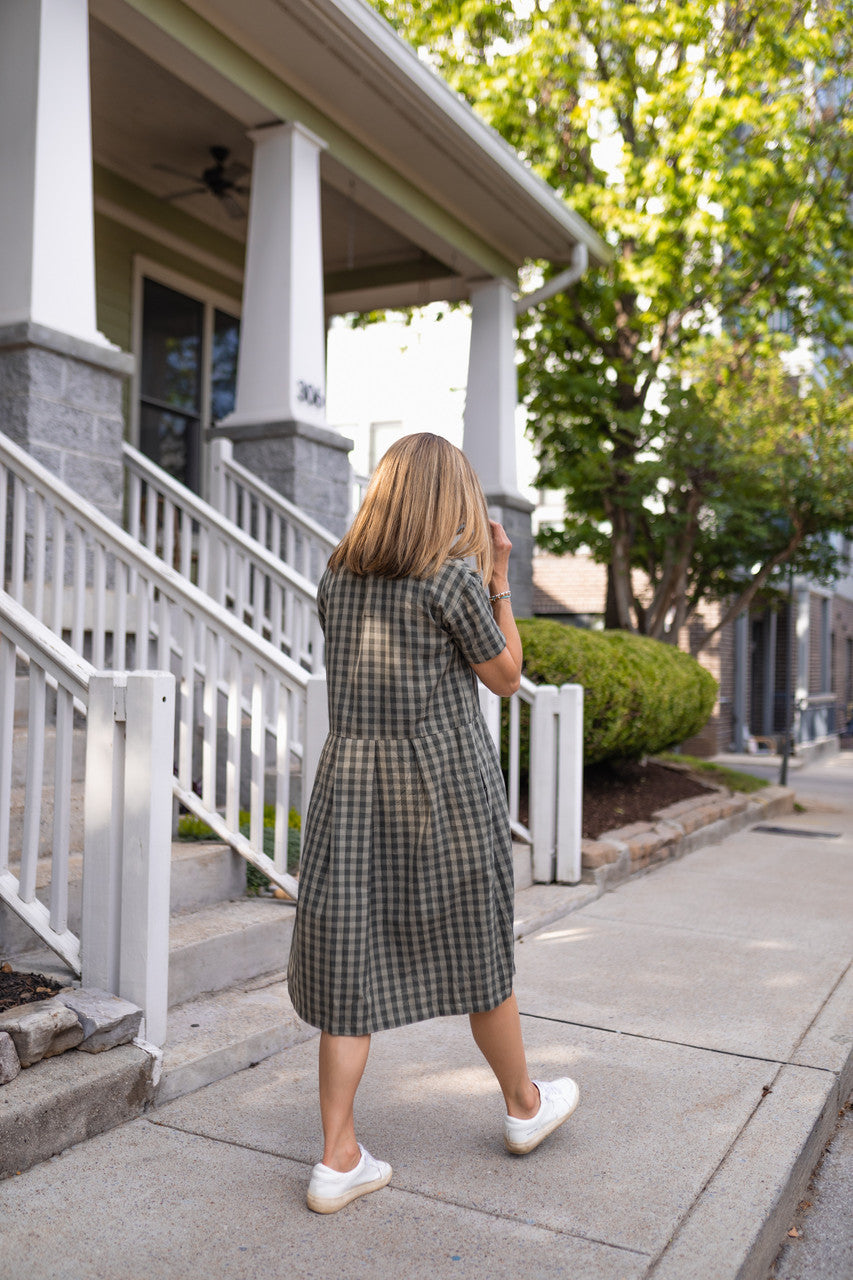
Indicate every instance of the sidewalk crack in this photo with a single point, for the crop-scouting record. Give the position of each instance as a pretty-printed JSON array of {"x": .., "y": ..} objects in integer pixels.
[{"x": 682, "y": 1044}]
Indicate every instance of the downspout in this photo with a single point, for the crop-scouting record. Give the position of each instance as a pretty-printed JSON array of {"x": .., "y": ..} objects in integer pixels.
[{"x": 580, "y": 262}]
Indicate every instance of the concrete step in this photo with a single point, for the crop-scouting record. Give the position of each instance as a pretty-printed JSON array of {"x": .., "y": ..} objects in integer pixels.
[
  {"x": 215, "y": 1035},
  {"x": 19, "y": 754},
  {"x": 203, "y": 873},
  {"x": 216, "y": 947}
]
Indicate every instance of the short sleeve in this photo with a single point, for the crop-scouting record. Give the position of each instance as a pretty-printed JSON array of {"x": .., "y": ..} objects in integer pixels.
[{"x": 466, "y": 614}]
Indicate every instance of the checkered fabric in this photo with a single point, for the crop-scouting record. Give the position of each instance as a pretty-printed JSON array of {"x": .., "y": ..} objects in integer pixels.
[{"x": 405, "y": 893}]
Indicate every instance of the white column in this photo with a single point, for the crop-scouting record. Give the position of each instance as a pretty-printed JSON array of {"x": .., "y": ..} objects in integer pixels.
[
  {"x": 492, "y": 395},
  {"x": 769, "y": 694},
  {"x": 803, "y": 642},
  {"x": 281, "y": 373},
  {"x": 741, "y": 674},
  {"x": 47, "y": 255}
]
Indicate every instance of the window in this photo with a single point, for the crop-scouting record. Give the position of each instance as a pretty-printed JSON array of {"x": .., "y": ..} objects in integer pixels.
[{"x": 187, "y": 375}]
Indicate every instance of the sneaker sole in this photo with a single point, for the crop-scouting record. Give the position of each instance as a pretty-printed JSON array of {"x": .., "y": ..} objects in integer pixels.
[
  {"x": 522, "y": 1148},
  {"x": 331, "y": 1204}
]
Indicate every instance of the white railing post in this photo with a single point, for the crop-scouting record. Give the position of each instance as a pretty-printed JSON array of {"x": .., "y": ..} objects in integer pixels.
[
  {"x": 103, "y": 817},
  {"x": 128, "y": 840},
  {"x": 543, "y": 780},
  {"x": 315, "y": 733},
  {"x": 147, "y": 847},
  {"x": 569, "y": 783},
  {"x": 490, "y": 705},
  {"x": 220, "y": 452}
]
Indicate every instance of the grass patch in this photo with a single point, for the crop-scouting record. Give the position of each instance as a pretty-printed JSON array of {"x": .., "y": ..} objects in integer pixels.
[
  {"x": 734, "y": 779},
  {"x": 192, "y": 828}
]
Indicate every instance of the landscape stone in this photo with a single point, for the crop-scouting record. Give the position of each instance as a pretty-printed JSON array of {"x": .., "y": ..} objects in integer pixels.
[
  {"x": 107, "y": 1020},
  {"x": 41, "y": 1030},
  {"x": 10, "y": 1064},
  {"x": 596, "y": 853}
]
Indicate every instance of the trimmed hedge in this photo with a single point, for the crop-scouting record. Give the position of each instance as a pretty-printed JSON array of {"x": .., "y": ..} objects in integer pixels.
[{"x": 640, "y": 696}]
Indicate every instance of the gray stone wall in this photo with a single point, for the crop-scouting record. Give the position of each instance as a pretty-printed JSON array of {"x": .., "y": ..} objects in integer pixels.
[
  {"x": 61, "y": 400},
  {"x": 309, "y": 465},
  {"x": 514, "y": 514}
]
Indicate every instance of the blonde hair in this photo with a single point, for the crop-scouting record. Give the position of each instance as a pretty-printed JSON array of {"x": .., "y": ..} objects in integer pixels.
[{"x": 424, "y": 505}]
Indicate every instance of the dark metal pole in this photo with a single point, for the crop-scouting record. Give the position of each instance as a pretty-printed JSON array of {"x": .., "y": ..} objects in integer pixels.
[{"x": 786, "y": 745}]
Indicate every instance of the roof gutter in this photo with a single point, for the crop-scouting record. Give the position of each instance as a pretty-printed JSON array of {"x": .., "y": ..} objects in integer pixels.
[{"x": 580, "y": 262}]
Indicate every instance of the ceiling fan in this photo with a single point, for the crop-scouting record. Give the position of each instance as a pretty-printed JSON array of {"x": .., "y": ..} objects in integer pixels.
[{"x": 219, "y": 179}]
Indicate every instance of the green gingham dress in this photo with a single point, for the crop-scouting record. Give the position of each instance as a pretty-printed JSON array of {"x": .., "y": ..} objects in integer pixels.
[{"x": 405, "y": 894}]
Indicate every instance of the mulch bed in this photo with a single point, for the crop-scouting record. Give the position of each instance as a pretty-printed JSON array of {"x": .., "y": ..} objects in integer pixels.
[
  {"x": 617, "y": 795},
  {"x": 24, "y": 988}
]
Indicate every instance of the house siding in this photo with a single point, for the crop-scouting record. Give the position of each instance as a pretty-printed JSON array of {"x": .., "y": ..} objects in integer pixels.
[{"x": 116, "y": 246}]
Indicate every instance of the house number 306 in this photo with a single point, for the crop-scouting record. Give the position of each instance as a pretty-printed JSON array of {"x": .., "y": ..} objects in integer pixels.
[{"x": 306, "y": 393}]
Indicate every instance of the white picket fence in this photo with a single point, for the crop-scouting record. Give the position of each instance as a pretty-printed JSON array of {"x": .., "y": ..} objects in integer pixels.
[
  {"x": 241, "y": 716},
  {"x": 554, "y": 742},
  {"x": 127, "y": 837}
]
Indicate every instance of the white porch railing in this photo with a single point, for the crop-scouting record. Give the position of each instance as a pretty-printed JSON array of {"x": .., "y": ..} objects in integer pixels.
[
  {"x": 129, "y": 723},
  {"x": 241, "y": 702},
  {"x": 266, "y": 515},
  {"x": 554, "y": 730},
  {"x": 231, "y": 565},
  {"x": 555, "y": 774}
]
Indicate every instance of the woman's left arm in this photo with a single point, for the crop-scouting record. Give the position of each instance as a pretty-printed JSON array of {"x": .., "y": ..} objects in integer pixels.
[{"x": 502, "y": 674}]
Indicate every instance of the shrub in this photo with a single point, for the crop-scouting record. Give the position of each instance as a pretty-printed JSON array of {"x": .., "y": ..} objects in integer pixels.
[{"x": 640, "y": 696}]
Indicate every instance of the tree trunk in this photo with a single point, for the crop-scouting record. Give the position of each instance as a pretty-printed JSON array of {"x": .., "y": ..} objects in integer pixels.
[{"x": 619, "y": 594}]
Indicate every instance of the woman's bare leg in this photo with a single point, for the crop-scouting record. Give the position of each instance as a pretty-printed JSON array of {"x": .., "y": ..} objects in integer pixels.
[
  {"x": 498, "y": 1037},
  {"x": 342, "y": 1063}
]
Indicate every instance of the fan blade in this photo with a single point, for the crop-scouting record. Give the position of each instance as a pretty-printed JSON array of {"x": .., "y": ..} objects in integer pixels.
[
  {"x": 242, "y": 191},
  {"x": 235, "y": 170},
  {"x": 233, "y": 207},
  {"x": 177, "y": 173},
  {"x": 191, "y": 191}
]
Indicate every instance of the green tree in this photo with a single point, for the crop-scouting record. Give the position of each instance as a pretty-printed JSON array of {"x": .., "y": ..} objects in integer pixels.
[{"x": 711, "y": 144}]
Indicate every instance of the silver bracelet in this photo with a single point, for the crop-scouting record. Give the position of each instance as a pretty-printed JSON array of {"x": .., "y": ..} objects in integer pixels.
[{"x": 502, "y": 595}]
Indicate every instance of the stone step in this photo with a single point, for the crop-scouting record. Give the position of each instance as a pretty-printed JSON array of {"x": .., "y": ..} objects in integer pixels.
[
  {"x": 215, "y": 1035},
  {"x": 220, "y": 946},
  {"x": 61, "y": 1101}
]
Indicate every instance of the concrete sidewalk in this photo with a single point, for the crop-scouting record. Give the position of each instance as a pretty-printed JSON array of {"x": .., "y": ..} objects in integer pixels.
[{"x": 706, "y": 1011}]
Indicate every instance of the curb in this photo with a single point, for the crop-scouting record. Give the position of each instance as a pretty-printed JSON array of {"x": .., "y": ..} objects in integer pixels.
[{"x": 751, "y": 1199}]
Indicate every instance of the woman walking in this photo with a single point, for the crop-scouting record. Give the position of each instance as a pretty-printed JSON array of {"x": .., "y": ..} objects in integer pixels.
[{"x": 405, "y": 905}]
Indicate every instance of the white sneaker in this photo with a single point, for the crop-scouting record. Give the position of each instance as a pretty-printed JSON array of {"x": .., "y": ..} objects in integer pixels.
[
  {"x": 330, "y": 1190},
  {"x": 557, "y": 1101}
]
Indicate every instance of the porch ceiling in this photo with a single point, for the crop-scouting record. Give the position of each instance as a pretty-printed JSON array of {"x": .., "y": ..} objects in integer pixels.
[
  {"x": 144, "y": 117},
  {"x": 429, "y": 198}
]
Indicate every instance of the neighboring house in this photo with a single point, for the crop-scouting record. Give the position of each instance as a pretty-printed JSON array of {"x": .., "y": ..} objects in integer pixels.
[{"x": 198, "y": 187}]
